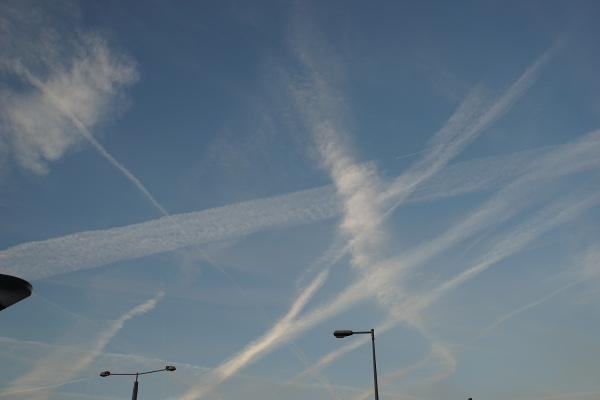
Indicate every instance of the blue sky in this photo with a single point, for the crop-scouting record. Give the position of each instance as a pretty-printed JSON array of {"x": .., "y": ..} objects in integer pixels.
[{"x": 219, "y": 186}]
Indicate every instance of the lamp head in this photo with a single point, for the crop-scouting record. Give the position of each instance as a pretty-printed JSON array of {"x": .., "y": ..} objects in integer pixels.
[
  {"x": 12, "y": 290},
  {"x": 341, "y": 334},
  {"x": 170, "y": 368},
  {"x": 105, "y": 373}
]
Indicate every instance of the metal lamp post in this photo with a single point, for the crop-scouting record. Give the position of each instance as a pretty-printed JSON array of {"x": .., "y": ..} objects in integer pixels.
[
  {"x": 343, "y": 334},
  {"x": 135, "y": 384}
]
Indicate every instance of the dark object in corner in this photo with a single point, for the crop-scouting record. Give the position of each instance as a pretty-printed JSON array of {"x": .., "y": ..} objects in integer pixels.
[{"x": 13, "y": 290}]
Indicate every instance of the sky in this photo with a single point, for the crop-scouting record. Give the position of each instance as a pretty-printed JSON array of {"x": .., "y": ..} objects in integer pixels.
[{"x": 220, "y": 185}]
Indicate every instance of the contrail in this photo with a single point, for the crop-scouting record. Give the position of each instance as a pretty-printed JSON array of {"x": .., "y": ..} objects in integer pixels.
[
  {"x": 314, "y": 369},
  {"x": 517, "y": 195},
  {"x": 341, "y": 166},
  {"x": 414, "y": 154},
  {"x": 36, "y": 260},
  {"x": 577, "y": 155},
  {"x": 83, "y": 130},
  {"x": 464, "y": 126},
  {"x": 45, "y": 369},
  {"x": 41, "y": 388},
  {"x": 461, "y": 129},
  {"x": 277, "y": 335},
  {"x": 449, "y": 141},
  {"x": 548, "y": 218},
  {"x": 557, "y": 213},
  {"x": 500, "y": 320},
  {"x": 87, "y": 135}
]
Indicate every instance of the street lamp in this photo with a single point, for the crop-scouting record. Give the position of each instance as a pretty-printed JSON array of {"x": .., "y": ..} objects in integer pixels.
[
  {"x": 135, "y": 384},
  {"x": 343, "y": 334},
  {"x": 12, "y": 290}
]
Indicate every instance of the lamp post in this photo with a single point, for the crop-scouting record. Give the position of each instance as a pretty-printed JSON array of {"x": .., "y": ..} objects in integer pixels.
[
  {"x": 12, "y": 290},
  {"x": 343, "y": 334},
  {"x": 135, "y": 384}
]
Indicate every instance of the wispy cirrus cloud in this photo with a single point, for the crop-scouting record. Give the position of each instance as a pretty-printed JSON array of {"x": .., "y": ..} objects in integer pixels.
[
  {"x": 62, "y": 81},
  {"x": 66, "y": 82}
]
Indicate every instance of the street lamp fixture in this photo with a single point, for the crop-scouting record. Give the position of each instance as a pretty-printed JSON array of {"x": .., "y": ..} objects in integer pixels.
[
  {"x": 344, "y": 333},
  {"x": 135, "y": 384},
  {"x": 13, "y": 290}
]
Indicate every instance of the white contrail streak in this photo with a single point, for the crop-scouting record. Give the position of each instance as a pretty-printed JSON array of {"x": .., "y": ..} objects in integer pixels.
[
  {"x": 407, "y": 308},
  {"x": 276, "y": 336},
  {"x": 46, "y": 374},
  {"x": 511, "y": 314},
  {"x": 40, "y": 388},
  {"x": 83, "y": 130},
  {"x": 36, "y": 260},
  {"x": 464, "y": 126},
  {"x": 552, "y": 216},
  {"x": 413, "y": 154}
]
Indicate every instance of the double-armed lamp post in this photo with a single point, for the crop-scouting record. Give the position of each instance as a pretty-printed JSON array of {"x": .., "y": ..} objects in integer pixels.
[
  {"x": 342, "y": 334},
  {"x": 135, "y": 384}
]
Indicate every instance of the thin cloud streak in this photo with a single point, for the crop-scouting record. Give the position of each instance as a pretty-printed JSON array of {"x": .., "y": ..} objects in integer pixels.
[
  {"x": 556, "y": 214},
  {"x": 407, "y": 308},
  {"x": 186, "y": 373},
  {"x": 45, "y": 374},
  {"x": 83, "y": 250},
  {"x": 519, "y": 310},
  {"x": 470, "y": 120},
  {"x": 68, "y": 81},
  {"x": 515, "y": 196},
  {"x": 78, "y": 89},
  {"x": 277, "y": 335},
  {"x": 316, "y": 368},
  {"x": 579, "y": 155},
  {"x": 41, "y": 388},
  {"x": 552, "y": 216},
  {"x": 63, "y": 107},
  {"x": 36, "y": 260}
]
